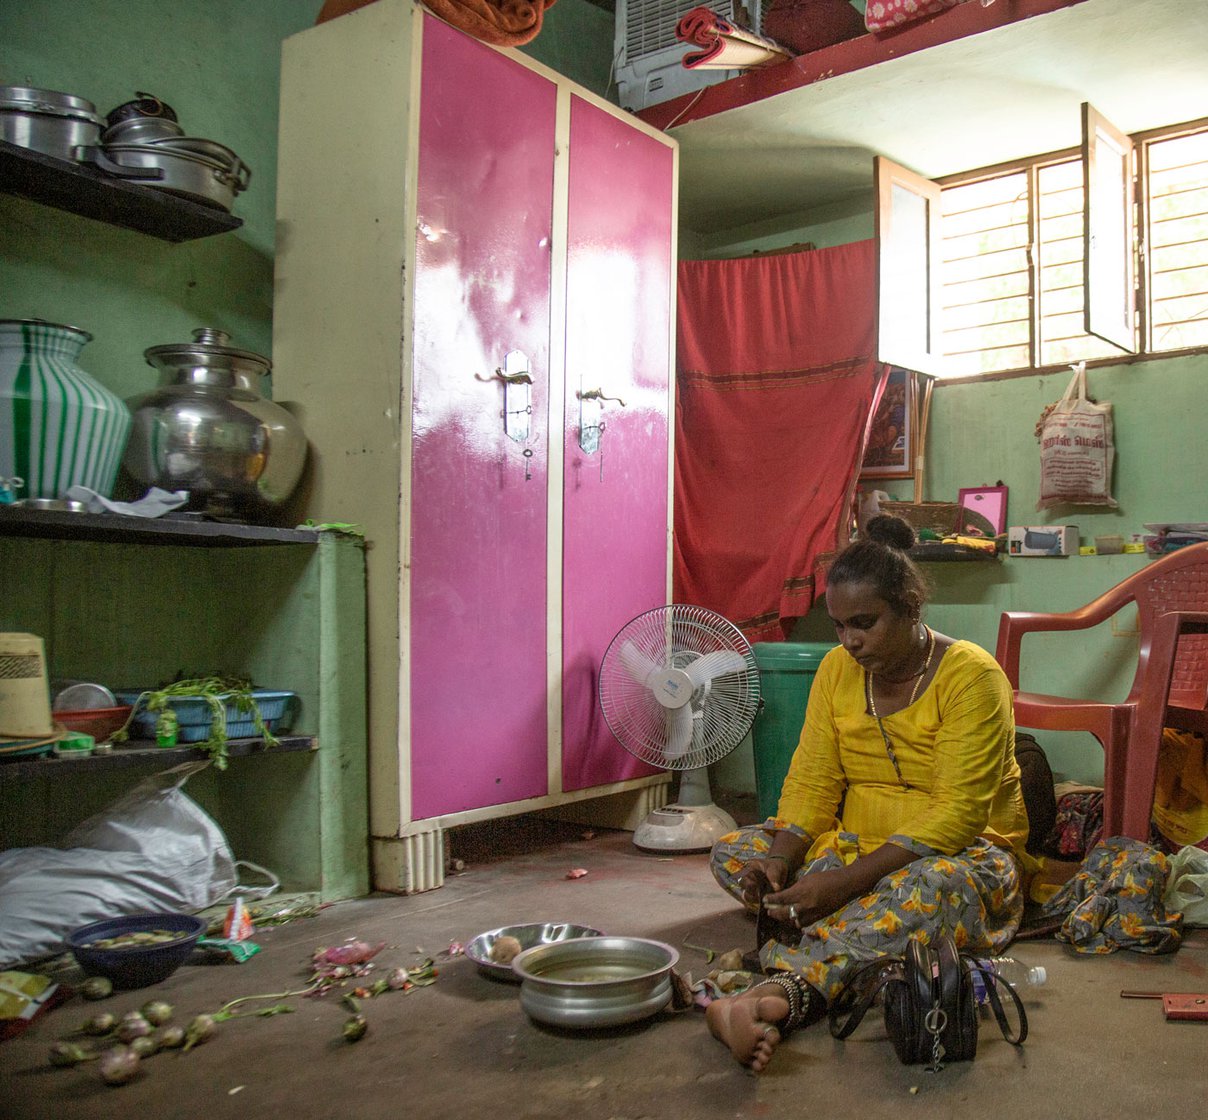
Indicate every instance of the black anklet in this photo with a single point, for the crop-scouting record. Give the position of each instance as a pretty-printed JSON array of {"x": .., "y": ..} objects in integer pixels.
[{"x": 799, "y": 996}]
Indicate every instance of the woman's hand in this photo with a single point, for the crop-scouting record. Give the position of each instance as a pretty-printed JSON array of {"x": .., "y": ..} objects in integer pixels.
[
  {"x": 760, "y": 876},
  {"x": 811, "y": 898},
  {"x": 820, "y": 893}
]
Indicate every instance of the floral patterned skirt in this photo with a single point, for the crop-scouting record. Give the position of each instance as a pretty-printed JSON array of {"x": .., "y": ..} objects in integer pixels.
[{"x": 975, "y": 894}]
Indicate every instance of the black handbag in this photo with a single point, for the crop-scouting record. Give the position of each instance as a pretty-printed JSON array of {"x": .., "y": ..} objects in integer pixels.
[{"x": 930, "y": 1004}]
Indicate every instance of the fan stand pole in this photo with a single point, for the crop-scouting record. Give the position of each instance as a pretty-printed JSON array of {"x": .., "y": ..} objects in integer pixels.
[{"x": 694, "y": 790}]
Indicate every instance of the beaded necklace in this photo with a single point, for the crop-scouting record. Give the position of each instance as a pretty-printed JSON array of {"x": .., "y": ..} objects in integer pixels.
[{"x": 872, "y": 704}]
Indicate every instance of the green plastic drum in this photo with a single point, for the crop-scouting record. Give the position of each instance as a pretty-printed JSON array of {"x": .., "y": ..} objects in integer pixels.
[{"x": 786, "y": 673}]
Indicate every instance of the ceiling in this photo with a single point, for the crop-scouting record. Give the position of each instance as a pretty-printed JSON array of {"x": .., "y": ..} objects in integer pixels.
[{"x": 1003, "y": 94}]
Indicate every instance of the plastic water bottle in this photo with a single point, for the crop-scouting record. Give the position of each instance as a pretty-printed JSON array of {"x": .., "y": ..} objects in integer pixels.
[{"x": 1014, "y": 972}]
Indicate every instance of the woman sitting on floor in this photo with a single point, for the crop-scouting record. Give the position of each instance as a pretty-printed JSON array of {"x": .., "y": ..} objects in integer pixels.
[{"x": 901, "y": 814}]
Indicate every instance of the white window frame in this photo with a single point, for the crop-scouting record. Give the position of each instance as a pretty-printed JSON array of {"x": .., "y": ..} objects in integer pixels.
[{"x": 1116, "y": 286}]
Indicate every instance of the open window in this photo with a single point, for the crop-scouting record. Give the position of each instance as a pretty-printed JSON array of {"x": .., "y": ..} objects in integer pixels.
[
  {"x": 1024, "y": 266},
  {"x": 908, "y": 272},
  {"x": 1108, "y": 231}
]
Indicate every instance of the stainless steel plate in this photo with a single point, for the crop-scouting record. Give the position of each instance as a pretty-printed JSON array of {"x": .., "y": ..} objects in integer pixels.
[
  {"x": 596, "y": 981},
  {"x": 59, "y": 505},
  {"x": 529, "y": 936}
]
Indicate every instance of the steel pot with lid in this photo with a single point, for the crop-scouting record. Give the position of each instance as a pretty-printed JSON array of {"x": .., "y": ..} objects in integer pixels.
[
  {"x": 56, "y": 124},
  {"x": 136, "y": 122},
  {"x": 200, "y": 169},
  {"x": 209, "y": 430}
]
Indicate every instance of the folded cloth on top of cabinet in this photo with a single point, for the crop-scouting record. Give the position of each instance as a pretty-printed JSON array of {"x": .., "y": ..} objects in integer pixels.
[
  {"x": 505, "y": 23},
  {"x": 726, "y": 46}
]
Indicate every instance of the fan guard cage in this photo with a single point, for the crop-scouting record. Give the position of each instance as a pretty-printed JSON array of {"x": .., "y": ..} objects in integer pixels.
[{"x": 721, "y": 710}]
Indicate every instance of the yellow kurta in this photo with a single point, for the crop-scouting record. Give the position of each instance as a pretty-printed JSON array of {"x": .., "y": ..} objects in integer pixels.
[{"x": 955, "y": 745}]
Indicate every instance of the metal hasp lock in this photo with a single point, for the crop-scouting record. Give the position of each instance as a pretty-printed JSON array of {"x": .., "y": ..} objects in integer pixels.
[
  {"x": 591, "y": 418},
  {"x": 517, "y": 395}
]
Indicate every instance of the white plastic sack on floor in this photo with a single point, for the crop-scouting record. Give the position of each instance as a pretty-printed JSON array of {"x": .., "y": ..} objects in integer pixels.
[
  {"x": 152, "y": 849},
  {"x": 1187, "y": 885}
]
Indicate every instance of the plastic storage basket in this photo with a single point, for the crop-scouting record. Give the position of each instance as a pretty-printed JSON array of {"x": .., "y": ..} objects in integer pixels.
[{"x": 194, "y": 715}]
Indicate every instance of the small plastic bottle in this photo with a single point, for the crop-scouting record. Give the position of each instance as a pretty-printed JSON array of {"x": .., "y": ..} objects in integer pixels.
[{"x": 1014, "y": 972}]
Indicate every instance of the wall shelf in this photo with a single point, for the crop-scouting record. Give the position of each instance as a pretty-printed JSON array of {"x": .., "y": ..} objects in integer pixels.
[
  {"x": 17, "y": 521},
  {"x": 80, "y": 188},
  {"x": 138, "y": 753},
  {"x": 943, "y": 552}
]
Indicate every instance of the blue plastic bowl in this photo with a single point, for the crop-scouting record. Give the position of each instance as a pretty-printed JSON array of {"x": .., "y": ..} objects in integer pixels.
[{"x": 138, "y": 965}]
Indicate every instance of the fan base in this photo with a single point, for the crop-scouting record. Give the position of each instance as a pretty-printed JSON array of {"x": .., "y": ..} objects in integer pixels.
[{"x": 683, "y": 828}]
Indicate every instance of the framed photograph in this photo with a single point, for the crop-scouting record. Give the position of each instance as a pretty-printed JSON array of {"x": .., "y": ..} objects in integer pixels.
[
  {"x": 983, "y": 511},
  {"x": 892, "y": 436}
]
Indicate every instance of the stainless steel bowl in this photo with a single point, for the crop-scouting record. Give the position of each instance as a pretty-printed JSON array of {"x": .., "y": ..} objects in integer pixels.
[
  {"x": 529, "y": 936},
  {"x": 595, "y": 981}
]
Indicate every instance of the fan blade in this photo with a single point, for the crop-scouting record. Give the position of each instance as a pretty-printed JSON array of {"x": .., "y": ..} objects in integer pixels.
[
  {"x": 636, "y": 663},
  {"x": 716, "y": 664},
  {"x": 679, "y": 732}
]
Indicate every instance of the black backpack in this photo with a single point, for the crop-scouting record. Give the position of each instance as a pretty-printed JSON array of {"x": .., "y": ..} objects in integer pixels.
[{"x": 1039, "y": 798}]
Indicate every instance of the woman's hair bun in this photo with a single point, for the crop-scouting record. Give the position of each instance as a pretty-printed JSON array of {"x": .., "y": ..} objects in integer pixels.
[{"x": 891, "y": 531}]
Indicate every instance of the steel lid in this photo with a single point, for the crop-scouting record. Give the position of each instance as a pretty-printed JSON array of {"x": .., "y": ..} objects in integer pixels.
[
  {"x": 208, "y": 348},
  {"x": 25, "y": 99}
]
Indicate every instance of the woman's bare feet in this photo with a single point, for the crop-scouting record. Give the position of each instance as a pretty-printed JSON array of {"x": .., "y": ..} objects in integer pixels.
[{"x": 746, "y": 1023}]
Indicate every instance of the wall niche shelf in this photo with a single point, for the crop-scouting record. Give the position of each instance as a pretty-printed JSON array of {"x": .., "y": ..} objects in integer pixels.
[
  {"x": 120, "y": 599},
  {"x": 80, "y": 188}
]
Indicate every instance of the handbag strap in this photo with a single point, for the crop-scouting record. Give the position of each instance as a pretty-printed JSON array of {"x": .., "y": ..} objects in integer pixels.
[
  {"x": 992, "y": 987},
  {"x": 852, "y": 1004}
]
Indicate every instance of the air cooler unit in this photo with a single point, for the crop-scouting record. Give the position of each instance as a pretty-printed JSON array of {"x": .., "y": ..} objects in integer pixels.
[{"x": 649, "y": 57}]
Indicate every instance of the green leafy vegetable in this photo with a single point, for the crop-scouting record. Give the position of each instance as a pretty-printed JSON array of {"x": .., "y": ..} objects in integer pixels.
[{"x": 219, "y": 693}]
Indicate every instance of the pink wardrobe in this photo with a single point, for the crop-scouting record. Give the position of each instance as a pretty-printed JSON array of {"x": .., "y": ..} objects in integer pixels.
[{"x": 473, "y": 318}]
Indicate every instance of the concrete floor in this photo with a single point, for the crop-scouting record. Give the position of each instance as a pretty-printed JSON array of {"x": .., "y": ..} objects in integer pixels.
[{"x": 463, "y": 1048}]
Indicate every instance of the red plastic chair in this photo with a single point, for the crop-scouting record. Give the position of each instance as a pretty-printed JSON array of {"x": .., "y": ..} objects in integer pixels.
[{"x": 1169, "y": 689}]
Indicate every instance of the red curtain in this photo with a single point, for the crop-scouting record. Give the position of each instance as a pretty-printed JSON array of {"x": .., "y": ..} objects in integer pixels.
[{"x": 776, "y": 382}]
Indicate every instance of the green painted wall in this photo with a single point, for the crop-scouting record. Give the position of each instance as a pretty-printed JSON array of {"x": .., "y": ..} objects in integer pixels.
[
  {"x": 577, "y": 40},
  {"x": 217, "y": 65}
]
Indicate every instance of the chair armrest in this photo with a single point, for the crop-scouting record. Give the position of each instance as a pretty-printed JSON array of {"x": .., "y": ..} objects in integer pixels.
[{"x": 1013, "y": 625}]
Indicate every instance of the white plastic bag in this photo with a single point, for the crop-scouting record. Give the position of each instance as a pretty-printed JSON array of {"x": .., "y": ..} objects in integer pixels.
[
  {"x": 152, "y": 849},
  {"x": 1187, "y": 885},
  {"x": 1077, "y": 449}
]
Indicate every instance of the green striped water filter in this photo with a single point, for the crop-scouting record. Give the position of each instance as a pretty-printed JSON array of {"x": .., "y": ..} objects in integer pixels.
[{"x": 59, "y": 426}]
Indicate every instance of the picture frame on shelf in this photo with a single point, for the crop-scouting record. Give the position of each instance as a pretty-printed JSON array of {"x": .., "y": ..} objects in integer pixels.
[
  {"x": 983, "y": 511},
  {"x": 893, "y": 435}
]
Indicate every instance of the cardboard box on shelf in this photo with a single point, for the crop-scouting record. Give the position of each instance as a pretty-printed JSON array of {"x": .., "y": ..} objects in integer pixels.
[{"x": 1042, "y": 540}]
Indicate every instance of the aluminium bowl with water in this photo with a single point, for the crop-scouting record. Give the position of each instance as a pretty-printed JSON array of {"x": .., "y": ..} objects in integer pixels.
[{"x": 595, "y": 981}]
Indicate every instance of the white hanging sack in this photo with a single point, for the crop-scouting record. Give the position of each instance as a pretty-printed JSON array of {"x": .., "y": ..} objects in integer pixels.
[{"x": 1077, "y": 449}]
